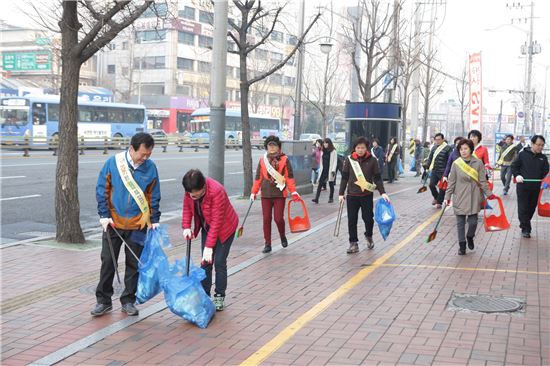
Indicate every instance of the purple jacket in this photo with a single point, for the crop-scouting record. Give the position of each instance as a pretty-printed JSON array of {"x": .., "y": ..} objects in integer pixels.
[{"x": 454, "y": 155}]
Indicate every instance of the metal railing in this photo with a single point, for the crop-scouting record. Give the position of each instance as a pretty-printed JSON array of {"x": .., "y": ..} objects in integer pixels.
[{"x": 26, "y": 144}]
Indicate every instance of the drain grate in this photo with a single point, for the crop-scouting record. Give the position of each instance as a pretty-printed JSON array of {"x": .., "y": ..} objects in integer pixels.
[{"x": 486, "y": 304}]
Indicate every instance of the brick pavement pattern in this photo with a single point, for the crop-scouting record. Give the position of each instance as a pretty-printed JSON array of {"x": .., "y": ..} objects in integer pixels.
[{"x": 397, "y": 315}]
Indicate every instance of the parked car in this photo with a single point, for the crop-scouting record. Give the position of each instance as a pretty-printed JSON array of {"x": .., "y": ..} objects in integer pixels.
[
  {"x": 310, "y": 137},
  {"x": 159, "y": 135}
]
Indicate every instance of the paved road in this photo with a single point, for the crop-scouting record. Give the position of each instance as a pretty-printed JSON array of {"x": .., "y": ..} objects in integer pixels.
[{"x": 28, "y": 187}]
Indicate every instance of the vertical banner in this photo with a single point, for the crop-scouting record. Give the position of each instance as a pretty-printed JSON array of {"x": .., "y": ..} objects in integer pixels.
[{"x": 476, "y": 91}]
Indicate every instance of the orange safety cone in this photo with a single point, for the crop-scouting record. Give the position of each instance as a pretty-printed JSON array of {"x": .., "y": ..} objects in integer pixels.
[
  {"x": 298, "y": 223},
  {"x": 495, "y": 222}
]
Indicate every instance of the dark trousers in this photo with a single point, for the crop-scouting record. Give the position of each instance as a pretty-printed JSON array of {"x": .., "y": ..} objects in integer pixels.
[
  {"x": 461, "y": 226},
  {"x": 354, "y": 203},
  {"x": 438, "y": 195},
  {"x": 104, "y": 290},
  {"x": 527, "y": 204},
  {"x": 219, "y": 259},
  {"x": 392, "y": 165},
  {"x": 277, "y": 206},
  {"x": 506, "y": 176},
  {"x": 323, "y": 183}
]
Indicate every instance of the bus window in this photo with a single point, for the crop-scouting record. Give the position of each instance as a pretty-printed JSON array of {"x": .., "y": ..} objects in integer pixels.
[
  {"x": 38, "y": 114},
  {"x": 14, "y": 116},
  {"x": 99, "y": 115},
  {"x": 116, "y": 115},
  {"x": 133, "y": 116},
  {"x": 53, "y": 112},
  {"x": 84, "y": 114}
]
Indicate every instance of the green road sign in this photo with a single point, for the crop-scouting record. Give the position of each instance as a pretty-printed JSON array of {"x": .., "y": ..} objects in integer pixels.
[{"x": 27, "y": 61}]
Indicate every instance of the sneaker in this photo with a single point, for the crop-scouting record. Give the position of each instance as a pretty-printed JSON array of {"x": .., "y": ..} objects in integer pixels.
[
  {"x": 315, "y": 200},
  {"x": 219, "y": 302},
  {"x": 267, "y": 248},
  {"x": 353, "y": 248},
  {"x": 129, "y": 309},
  {"x": 101, "y": 309},
  {"x": 470, "y": 242},
  {"x": 462, "y": 248},
  {"x": 526, "y": 234},
  {"x": 330, "y": 200},
  {"x": 370, "y": 243},
  {"x": 284, "y": 242}
]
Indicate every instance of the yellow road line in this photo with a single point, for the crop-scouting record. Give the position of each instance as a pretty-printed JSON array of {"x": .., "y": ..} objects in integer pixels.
[
  {"x": 273, "y": 345},
  {"x": 465, "y": 268}
]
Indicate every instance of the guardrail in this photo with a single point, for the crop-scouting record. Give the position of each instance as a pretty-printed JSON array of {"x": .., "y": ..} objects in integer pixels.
[{"x": 115, "y": 143}]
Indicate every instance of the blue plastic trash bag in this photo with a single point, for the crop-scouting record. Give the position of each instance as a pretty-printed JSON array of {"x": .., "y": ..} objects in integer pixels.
[
  {"x": 384, "y": 216},
  {"x": 185, "y": 296},
  {"x": 154, "y": 264}
]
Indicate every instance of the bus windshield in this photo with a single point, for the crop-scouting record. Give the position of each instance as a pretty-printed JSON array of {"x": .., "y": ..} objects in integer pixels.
[{"x": 14, "y": 115}]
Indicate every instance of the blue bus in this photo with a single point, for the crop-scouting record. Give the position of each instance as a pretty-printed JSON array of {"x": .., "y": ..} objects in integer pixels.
[
  {"x": 260, "y": 126},
  {"x": 37, "y": 117}
]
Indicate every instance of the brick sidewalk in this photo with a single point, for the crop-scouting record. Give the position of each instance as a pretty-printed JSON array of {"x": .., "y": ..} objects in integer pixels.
[{"x": 397, "y": 315}]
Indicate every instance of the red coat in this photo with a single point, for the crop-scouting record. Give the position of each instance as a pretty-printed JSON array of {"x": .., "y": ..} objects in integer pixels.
[
  {"x": 217, "y": 211},
  {"x": 482, "y": 154}
]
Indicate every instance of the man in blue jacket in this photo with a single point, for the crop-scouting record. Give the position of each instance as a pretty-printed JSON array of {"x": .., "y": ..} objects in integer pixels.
[{"x": 128, "y": 196}]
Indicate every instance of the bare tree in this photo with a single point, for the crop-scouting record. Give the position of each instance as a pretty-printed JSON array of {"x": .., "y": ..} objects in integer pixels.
[
  {"x": 253, "y": 16},
  {"x": 376, "y": 45},
  {"x": 429, "y": 88},
  {"x": 462, "y": 94},
  {"x": 86, "y": 27}
]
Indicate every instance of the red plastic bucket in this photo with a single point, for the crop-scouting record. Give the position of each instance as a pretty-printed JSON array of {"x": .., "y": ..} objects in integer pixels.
[
  {"x": 543, "y": 206},
  {"x": 298, "y": 224}
]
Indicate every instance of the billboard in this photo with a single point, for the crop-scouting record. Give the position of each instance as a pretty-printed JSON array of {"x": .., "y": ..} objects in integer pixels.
[
  {"x": 27, "y": 61},
  {"x": 476, "y": 91}
]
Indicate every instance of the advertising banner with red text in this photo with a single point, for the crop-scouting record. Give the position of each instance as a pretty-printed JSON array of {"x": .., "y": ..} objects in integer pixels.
[{"x": 476, "y": 91}]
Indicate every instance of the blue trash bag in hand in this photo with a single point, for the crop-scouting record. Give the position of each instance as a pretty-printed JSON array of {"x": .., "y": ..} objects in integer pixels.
[
  {"x": 154, "y": 264},
  {"x": 185, "y": 296},
  {"x": 384, "y": 216}
]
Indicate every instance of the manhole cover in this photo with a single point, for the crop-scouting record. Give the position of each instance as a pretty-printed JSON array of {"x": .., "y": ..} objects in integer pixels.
[
  {"x": 487, "y": 304},
  {"x": 90, "y": 289}
]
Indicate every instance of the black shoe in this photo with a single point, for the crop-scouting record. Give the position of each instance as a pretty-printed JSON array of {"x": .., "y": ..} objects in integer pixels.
[
  {"x": 315, "y": 200},
  {"x": 370, "y": 243},
  {"x": 101, "y": 309},
  {"x": 470, "y": 242},
  {"x": 129, "y": 309},
  {"x": 267, "y": 248},
  {"x": 330, "y": 200},
  {"x": 526, "y": 234},
  {"x": 353, "y": 248},
  {"x": 462, "y": 248},
  {"x": 284, "y": 242}
]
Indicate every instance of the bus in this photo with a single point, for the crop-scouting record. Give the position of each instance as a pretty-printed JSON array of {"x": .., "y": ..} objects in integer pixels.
[
  {"x": 260, "y": 126},
  {"x": 37, "y": 117}
]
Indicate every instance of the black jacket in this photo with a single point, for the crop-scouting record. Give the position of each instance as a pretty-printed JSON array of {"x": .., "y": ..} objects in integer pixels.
[
  {"x": 369, "y": 167},
  {"x": 441, "y": 159},
  {"x": 530, "y": 166}
]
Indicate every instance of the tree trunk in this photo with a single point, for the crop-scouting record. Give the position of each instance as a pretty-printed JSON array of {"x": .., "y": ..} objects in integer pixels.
[
  {"x": 67, "y": 206},
  {"x": 247, "y": 147}
]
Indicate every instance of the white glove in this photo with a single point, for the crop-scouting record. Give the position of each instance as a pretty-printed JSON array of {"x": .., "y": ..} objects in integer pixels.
[
  {"x": 105, "y": 222},
  {"x": 207, "y": 255},
  {"x": 187, "y": 234},
  {"x": 519, "y": 179},
  {"x": 386, "y": 197},
  {"x": 252, "y": 196},
  {"x": 155, "y": 226},
  {"x": 444, "y": 179},
  {"x": 341, "y": 199}
]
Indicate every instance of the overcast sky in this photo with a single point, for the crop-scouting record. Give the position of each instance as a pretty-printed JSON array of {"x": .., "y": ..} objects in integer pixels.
[{"x": 462, "y": 29}]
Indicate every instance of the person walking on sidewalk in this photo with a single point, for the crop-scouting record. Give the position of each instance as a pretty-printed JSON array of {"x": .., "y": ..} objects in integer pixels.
[
  {"x": 508, "y": 153},
  {"x": 455, "y": 154},
  {"x": 378, "y": 152},
  {"x": 418, "y": 157},
  {"x": 437, "y": 161},
  {"x": 128, "y": 197},
  {"x": 274, "y": 177},
  {"x": 467, "y": 181},
  {"x": 392, "y": 154},
  {"x": 327, "y": 172},
  {"x": 206, "y": 202},
  {"x": 530, "y": 164},
  {"x": 315, "y": 160},
  {"x": 360, "y": 177}
]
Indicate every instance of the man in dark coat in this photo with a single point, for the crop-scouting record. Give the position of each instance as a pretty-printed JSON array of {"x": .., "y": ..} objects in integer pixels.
[{"x": 437, "y": 161}]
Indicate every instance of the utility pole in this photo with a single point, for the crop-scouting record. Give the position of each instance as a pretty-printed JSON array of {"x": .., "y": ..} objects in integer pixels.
[
  {"x": 428, "y": 85},
  {"x": 216, "y": 151},
  {"x": 357, "y": 14},
  {"x": 298, "y": 99},
  {"x": 394, "y": 59}
]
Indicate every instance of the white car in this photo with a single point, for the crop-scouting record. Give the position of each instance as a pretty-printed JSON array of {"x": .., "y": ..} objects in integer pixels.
[{"x": 310, "y": 137}]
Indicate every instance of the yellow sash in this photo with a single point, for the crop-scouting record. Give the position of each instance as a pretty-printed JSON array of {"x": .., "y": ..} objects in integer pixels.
[
  {"x": 134, "y": 189},
  {"x": 505, "y": 153},
  {"x": 437, "y": 151},
  {"x": 392, "y": 152},
  {"x": 471, "y": 172},
  {"x": 361, "y": 180},
  {"x": 279, "y": 179}
]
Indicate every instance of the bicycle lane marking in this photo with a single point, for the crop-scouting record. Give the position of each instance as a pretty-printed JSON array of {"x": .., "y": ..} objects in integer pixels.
[{"x": 286, "y": 334}]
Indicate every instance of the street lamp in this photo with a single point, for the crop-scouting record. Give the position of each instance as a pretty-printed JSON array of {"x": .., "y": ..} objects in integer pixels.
[{"x": 326, "y": 47}]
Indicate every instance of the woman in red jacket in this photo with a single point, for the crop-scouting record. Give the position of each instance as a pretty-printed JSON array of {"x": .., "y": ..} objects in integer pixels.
[
  {"x": 480, "y": 151},
  {"x": 274, "y": 177},
  {"x": 206, "y": 202}
]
